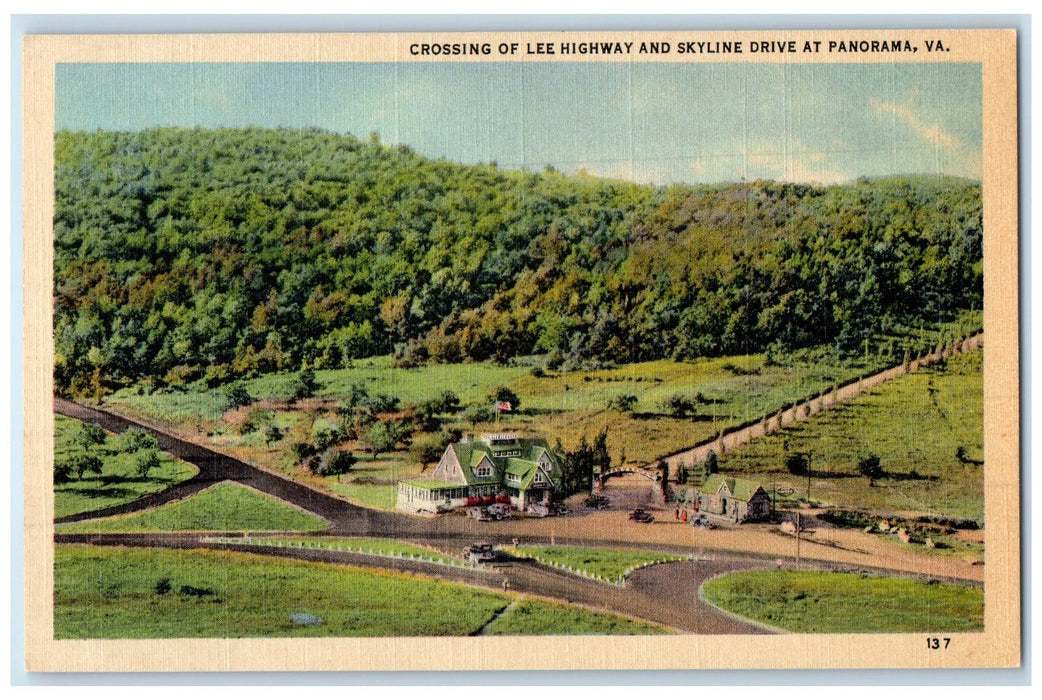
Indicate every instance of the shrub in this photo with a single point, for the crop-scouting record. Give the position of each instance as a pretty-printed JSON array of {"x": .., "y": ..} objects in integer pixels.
[
  {"x": 302, "y": 450},
  {"x": 380, "y": 403},
  {"x": 326, "y": 438},
  {"x": 797, "y": 463},
  {"x": 869, "y": 466},
  {"x": 623, "y": 403},
  {"x": 237, "y": 396},
  {"x": 86, "y": 463},
  {"x": 711, "y": 463},
  {"x": 272, "y": 434},
  {"x": 477, "y": 413},
  {"x": 136, "y": 439},
  {"x": 333, "y": 461},
  {"x": 146, "y": 462},
  {"x": 90, "y": 435},
  {"x": 62, "y": 472},
  {"x": 679, "y": 406},
  {"x": 305, "y": 385},
  {"x": 449, "y": 402}
]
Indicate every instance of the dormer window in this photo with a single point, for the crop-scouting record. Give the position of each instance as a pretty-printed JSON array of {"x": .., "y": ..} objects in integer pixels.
[{"x": 483, "y": 470}]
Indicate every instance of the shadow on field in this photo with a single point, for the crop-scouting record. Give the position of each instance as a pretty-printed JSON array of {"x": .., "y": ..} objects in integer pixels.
[{"x": 103, "y": 493}]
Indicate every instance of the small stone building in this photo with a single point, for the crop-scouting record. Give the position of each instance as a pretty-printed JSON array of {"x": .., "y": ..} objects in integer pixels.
[{"x": 734, "y": 499}]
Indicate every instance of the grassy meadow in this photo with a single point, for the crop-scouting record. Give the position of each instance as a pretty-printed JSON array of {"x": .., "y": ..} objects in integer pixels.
[
  {"x": 126, "y": 593},
  {"x": 915, "y": 424},
  {"x": 597, "y": 562},
  {"x": 557, "y": 404},
  {"x": 529, "y": 616},
  {"x": 119, "y": 481},
  {"x": 225, "y": 507},
  {"x": 816, "y": 601}
]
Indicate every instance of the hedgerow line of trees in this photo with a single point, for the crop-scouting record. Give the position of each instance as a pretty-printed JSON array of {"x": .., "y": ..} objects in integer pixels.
[{"x": 184, "y": 254}]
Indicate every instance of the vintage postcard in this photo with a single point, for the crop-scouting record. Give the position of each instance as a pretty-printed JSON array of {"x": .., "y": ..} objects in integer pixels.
[{"x": 499, "y": 350}]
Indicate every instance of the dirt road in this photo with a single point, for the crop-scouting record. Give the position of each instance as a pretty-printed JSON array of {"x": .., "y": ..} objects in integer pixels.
[{"x": 665, "y": 593}]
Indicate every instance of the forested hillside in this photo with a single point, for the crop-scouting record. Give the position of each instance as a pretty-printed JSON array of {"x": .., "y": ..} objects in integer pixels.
[{"x": 187, "y": 253}]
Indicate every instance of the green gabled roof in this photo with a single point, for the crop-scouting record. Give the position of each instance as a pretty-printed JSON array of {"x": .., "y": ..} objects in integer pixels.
[
  {"x": 526, "y": 471},
  {"x": 515, "y": 466},
  {"x": 433, "y": 484},
  {"x": 469, "y": 456},
  {"x": 523, "y": 467},
  {"x": 741, "y": 489}
]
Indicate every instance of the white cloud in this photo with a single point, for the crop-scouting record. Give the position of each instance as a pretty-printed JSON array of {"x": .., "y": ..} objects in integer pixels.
[
  {"x": 960, "y": 156},
  {"x": 796, "y": 162},
  {"x": 907, "y": 114}
]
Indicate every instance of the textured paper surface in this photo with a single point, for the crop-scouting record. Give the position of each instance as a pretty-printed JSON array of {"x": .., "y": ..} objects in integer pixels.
[{"x": 997, "y": 646}]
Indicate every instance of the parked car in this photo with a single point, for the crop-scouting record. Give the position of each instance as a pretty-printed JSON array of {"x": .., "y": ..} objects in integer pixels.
[
  {"x": 598, "y": 502},
  {"x": 479, "y": 514},
  {"x": 641, "y": 516},
  {"x": 703, "y": 522},
  {"x": 559, "y": 509},
  {"x": 498, "y": 511},
  {"x": 539, "y": 510},
  {"x": 480, "y": 552}
]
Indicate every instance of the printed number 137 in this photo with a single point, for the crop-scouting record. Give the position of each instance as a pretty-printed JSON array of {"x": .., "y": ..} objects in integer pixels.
[{"x": 935, "y": 643}]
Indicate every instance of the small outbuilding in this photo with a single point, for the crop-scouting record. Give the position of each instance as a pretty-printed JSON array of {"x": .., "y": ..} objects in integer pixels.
[{"x": 734, "y": 499}]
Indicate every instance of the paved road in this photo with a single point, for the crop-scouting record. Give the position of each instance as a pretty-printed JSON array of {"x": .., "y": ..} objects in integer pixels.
[{"x": 665, "y": 593}]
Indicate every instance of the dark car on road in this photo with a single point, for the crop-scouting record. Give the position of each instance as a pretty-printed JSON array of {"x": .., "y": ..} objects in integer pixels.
[
  {"x": 598, "y": 502},
  {"x": 480, "y": 552},
  {"x": 641, "y": 516},
  {"x": 703, "y": 522}
]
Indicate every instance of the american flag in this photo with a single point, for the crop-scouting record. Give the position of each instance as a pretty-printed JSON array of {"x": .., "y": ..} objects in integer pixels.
[{"x": 503, "y": 406}]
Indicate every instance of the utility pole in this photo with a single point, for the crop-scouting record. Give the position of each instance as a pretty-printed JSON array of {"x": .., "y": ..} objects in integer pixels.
[
  {"x": 810, "y": 461},
  {"x": 798, "y": 539}
]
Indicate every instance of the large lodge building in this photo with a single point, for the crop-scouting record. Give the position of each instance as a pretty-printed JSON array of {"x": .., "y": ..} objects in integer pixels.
[{"x": 524, "y": 469}]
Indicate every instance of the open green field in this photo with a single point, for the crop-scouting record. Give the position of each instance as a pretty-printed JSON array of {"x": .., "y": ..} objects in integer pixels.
[
  {"x": 816, "y": 601},
  {"x": 226, "y": 507},
  {"x": 530, "y": 616},
  {"x": 119, "y": 481},
  {"x": 915, "y": 425},
  {"x": 113, "y": 592},
  {"x": 555, "y": 404},
  {"x": 595, "y": 562}
]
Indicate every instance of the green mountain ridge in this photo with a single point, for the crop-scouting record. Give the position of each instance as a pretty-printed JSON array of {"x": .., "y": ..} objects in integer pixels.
[{"x": 187, "y": 253}]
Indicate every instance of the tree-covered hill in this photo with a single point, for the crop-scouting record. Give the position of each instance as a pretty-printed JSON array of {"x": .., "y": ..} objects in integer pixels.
[{"x": 182, "y": 253}]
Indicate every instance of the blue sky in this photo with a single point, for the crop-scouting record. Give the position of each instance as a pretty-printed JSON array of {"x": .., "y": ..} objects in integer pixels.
[{"x": 649, "y": 122}]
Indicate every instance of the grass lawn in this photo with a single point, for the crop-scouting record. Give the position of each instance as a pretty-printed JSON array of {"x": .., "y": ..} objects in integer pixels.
[
  {"x": 530, "y": 616},
  {"x": 119, "y": 481},
  {"x": 914, "y": 424},
  {"x": 595, "y": 562},
  {"x": 114, "y": 592},
  {"x": 554, "y": 404},
  {"x": 816, "y": 601},
  {"x": 226, "y": 507}
]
